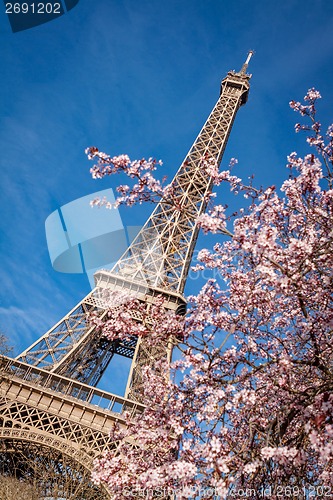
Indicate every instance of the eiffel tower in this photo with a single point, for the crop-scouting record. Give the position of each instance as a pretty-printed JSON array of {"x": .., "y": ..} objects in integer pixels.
[{"x": 50, "y": 407}]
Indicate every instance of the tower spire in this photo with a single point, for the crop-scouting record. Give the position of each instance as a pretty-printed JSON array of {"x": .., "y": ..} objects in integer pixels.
[{"x": 245, "y": 65}]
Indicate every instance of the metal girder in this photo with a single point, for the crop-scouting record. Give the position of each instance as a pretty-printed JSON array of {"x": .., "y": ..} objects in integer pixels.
[
  {"x": 64, "y": 414},
  {"x": 72, "y": 419}
]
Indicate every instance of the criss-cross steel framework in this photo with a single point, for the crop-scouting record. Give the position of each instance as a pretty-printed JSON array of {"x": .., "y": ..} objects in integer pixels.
[{"x": 73, "y": 354}]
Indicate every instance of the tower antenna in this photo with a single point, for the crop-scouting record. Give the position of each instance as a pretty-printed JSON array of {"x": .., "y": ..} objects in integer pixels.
[{"x": 245, "y": 65}]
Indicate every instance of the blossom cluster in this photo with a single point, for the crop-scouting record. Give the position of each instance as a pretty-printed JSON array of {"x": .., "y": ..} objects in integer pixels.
[
  {"x": 128, "y": 317},
  {"x": 146, "y": 188}
]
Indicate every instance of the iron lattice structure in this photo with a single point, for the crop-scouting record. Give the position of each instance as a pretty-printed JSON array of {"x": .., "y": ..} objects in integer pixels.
[{"x": 47, "y": 392}]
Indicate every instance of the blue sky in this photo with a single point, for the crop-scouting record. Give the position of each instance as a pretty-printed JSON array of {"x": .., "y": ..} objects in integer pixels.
[{"x": 137, "y": 78}]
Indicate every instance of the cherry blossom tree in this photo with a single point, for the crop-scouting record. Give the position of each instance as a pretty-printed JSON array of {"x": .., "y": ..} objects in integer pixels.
[{"x": 248, "y": 408}]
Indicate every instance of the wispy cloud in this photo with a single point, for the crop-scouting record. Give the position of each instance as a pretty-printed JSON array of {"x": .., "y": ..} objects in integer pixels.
[{"x": 21, "y": 326}]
